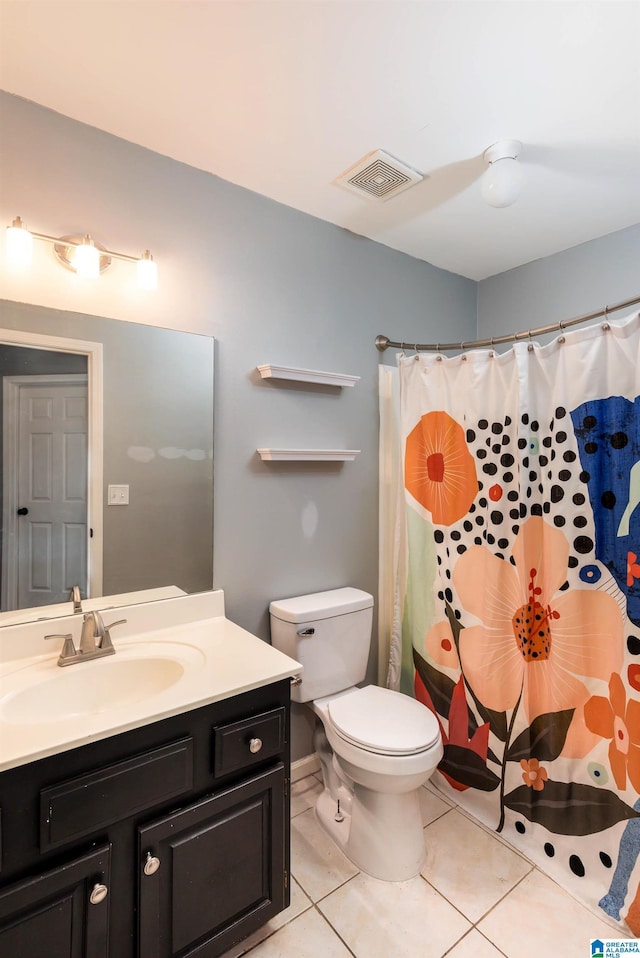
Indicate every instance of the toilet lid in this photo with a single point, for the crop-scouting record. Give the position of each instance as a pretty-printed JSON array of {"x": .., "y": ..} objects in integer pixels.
[{"x": 384, "y": 721}]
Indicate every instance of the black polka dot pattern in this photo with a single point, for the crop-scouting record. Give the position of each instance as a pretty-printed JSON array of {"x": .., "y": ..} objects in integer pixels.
[
  {"x": 576, "y": 866},
  {"x": 530, "y": 465},
  {"x": 633, "y": 644}
]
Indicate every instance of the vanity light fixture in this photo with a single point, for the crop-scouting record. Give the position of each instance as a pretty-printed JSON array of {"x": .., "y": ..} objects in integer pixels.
[
  {"x": 79, "y": 253},
  {"x": 503, "y": 181}
]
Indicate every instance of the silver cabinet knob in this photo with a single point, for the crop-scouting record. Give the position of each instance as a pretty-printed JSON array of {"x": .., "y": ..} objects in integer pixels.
[
  {"x": 255, "y": 745},
  {"x": 98, "y": 893},
  {"x": 151, "y": 865}
]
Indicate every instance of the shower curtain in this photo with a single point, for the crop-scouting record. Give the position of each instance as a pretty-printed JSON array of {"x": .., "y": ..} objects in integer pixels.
[{"x": 513, "y": 599}]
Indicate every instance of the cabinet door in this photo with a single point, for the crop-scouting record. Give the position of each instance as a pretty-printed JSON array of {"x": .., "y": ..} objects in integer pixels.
[
  {"x": 53, "y": 915},
  {"x": 215, "y": 871}
]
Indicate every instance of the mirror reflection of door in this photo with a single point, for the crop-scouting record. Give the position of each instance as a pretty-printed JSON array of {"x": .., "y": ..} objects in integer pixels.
[{"x": 44, "y": 477}]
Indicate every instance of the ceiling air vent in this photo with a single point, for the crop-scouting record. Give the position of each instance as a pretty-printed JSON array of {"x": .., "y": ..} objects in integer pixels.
[{"x": 378, "y": 176}]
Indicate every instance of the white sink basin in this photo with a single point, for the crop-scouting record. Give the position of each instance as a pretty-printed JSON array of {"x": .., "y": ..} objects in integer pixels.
[{"x": 52, "y": 694}]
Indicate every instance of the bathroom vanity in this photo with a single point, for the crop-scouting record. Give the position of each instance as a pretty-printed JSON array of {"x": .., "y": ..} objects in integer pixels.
[{"x": 158, "y": 827}]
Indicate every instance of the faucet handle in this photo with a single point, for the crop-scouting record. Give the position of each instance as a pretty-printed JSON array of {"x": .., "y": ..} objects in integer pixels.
[
  {"x": 106, "y": 641},
  {"x": 68, "y": 649}
]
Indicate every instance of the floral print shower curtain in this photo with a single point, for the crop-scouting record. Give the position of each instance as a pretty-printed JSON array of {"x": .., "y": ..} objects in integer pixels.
[{"x": 520, "y": 595}]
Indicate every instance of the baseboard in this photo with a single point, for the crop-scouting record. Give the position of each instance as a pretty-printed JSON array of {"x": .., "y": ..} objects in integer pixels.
[{"x": 304, "y": 766}]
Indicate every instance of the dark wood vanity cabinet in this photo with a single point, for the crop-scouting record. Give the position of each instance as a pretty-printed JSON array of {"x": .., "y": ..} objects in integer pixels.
[{"x": 167, "y": 841}]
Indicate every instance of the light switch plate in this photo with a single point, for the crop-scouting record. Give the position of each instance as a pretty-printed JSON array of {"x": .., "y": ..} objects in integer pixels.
[{"x": 117, "y": 495}]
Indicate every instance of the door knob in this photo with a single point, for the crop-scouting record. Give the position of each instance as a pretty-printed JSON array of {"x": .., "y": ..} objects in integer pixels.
[
  {"x": 98, "y": 893},
  {"x": 151, "y": 864},
  {"x": 23, "y": 512}
]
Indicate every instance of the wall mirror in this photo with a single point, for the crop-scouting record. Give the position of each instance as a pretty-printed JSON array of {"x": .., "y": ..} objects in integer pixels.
[{"x": 107, "y": 459}]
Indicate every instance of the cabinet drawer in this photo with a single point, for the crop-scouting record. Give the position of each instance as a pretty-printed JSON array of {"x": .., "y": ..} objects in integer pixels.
[
  {"x": 246, "y": 743},
  {"x": 82, "y": 805}
]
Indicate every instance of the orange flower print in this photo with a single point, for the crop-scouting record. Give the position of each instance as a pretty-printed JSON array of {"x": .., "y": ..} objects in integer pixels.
[
  {"x": 533, "y": 775},
  {"x": 633, "y": 569},
  {"x": 440, "y": 646},
  {"x": 439, "y": 470},
  {"x": 618, "y": 720},
  {"x": 533, "y": 640}
]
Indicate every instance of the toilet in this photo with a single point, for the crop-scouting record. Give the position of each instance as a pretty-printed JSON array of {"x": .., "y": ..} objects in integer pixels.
[{"x": 377, "y": 747}]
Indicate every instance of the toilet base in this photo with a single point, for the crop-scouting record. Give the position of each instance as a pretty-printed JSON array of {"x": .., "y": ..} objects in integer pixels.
[{"x": 381, "y": 833}]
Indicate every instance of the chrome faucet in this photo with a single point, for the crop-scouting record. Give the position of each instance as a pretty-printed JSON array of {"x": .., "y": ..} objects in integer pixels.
[
  {"x": 74, "y": 596},
  {"x": 95, "y": 640}
]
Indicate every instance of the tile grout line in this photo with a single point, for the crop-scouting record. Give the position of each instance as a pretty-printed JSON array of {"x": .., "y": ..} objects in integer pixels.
[
  {"x": 534, "y": 865},
  {"x": 338, "y": 935}
]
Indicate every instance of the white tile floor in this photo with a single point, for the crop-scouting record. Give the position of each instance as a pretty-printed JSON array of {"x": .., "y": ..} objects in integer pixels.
[{"x": 475, "y": 898}]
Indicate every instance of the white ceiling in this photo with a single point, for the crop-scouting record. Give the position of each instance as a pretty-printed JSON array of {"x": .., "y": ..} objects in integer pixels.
[{"x": 281, "y": 97}]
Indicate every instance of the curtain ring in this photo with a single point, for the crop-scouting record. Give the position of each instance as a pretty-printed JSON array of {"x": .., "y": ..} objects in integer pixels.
[
  {"x": 605, "y": 326},
  {"x": 439, "y": 356}
]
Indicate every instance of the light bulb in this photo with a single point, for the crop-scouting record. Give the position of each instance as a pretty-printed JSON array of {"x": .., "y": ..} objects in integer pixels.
[
  {"x": 503, "y": 181},
  {"x": 147, "y": 272},
  {"x": 86, "y": 260},
  {"x": 19, "y": 244}
]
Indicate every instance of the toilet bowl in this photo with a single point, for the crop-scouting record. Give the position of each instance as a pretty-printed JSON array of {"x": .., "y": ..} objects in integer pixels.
[
  {"x": 383, "y": 770},
  {"x": 377, "y": 747}
]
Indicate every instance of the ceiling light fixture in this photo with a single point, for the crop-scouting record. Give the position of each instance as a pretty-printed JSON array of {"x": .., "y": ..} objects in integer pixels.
[
  {"x": 503, "y": 181},
  {"x": 78, "y": 253}
]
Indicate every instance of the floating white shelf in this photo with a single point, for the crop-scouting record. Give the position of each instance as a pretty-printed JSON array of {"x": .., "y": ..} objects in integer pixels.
[
  {"x": 308, "y": 455},
  {"x": 269, "y": 371}
]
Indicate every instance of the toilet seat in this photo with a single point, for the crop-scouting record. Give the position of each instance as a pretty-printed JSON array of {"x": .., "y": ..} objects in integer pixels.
[{"x": 383, "y": 721}]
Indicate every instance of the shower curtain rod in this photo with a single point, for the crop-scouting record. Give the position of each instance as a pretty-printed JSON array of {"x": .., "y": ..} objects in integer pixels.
[{"x": 383, "y": 342}]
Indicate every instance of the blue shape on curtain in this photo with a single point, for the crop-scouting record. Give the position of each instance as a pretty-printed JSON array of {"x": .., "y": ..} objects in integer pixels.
[
  {"x": 627, "y": 856},
  {"x": 608, "y": 436}
]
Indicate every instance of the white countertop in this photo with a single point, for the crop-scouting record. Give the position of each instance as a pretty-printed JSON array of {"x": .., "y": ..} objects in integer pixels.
[{"x": 217, "y": 659}]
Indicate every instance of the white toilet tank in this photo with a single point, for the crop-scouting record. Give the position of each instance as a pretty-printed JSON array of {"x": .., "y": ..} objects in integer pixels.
[{"x": 329, "y": 633}]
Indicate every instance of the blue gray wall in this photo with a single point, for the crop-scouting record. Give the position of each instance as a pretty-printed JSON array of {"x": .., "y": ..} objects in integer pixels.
[
  {"x": 272, "y": 285},
  {"x": 577, "y": 281}
]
